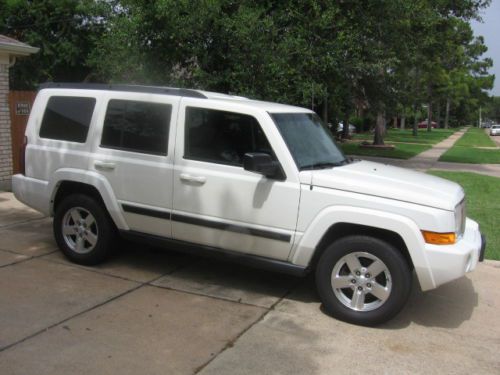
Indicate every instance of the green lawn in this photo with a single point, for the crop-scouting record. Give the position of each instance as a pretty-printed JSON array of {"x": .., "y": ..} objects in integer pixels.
[
  {"x": 406, "y": 136},
  {"x": 465, "y": 151},
  {"x": 475, "y": 137},
  {"x": 483, "y": 205},
  {"x": 471, "y": 155},
  {"x": 401, "y": 150}
]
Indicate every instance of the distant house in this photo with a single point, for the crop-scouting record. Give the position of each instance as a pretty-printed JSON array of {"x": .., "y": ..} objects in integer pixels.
[{"x": 10, "y": 50}]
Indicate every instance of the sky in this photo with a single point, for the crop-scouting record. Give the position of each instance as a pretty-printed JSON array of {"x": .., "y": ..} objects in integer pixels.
[{"x": 490, "y": 29}]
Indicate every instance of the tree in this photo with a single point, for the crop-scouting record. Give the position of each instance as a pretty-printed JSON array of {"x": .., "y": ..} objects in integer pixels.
[
  {"x": 492, "y": 109},
  {"x": 451, "y": 54},
  {"x": 389, "y": 56},
  {"x": 64, "y": 30}
]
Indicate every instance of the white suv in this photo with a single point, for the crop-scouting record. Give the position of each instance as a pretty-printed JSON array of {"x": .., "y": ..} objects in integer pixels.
[{"x": 262, "y": 183}]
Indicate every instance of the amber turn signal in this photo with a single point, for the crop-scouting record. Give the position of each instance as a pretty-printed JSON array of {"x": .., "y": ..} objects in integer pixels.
[{"x": 439, "y": 238}]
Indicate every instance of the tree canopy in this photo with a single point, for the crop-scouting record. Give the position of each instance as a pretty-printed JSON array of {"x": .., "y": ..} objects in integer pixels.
[{"x": 375, "y": 60}]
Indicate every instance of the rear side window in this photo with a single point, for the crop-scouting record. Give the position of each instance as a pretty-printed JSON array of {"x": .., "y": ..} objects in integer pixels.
[
  {"x": 137, "y": 126},
  {"x": 222, "y": 137},
  {"x": 67, "y": 118}
]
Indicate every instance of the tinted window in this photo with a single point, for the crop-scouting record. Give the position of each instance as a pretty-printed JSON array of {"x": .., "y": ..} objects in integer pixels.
[
  {"x": 222, "y": 137},
  {"x": 67, "y": 118},
  {"x": 137, "y": 126}
]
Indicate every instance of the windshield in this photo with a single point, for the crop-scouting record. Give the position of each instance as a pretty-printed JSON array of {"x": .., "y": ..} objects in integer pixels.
[{"x": 309, "y": 140}]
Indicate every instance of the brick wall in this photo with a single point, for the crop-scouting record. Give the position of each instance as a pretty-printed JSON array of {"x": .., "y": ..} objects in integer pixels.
[{"x": 5, "y": 140}]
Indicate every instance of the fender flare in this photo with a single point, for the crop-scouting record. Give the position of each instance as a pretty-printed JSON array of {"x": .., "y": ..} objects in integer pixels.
[
  {"x": 95, "y": 180},
  {"x": 408, "y": 230}
]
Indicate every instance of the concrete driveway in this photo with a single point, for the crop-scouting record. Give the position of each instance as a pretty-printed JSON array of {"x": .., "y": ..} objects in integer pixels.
[{"x": 157, "y": 312}]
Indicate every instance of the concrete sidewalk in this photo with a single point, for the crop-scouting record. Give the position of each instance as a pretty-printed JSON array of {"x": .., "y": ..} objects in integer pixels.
[
  {"x": 150, "y": 311},
  {"x": 486, "y": 169},
  {"x": 429, "y": 159}
]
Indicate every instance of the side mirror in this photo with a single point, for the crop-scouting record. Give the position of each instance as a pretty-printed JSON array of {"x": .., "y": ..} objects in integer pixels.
[{"x": 262, "y": 163}]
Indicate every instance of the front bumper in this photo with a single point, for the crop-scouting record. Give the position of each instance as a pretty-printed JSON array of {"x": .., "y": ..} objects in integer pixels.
[{"x": 450, "y": 262}]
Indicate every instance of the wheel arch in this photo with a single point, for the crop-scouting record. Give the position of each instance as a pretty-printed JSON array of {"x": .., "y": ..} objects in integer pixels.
[
  {"x": 343, "y": 229},
  {"x": 339, "y": 221},
  {"x": 68, "y": 181},
  {"x": 68, "y": 187}
]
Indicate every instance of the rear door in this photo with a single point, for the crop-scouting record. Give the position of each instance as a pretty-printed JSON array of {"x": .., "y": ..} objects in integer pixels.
[{"x": 134, "y": 151}]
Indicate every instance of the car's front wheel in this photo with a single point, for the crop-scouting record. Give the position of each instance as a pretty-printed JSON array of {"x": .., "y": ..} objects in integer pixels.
[
  {"x": 363, "y": 280},
  {"x": 83, "y": 229}
]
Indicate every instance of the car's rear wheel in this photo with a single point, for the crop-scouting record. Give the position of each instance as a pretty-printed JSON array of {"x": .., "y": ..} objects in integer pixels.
[
  {"x": 363, "y": 280},
  {"x": 83, "y": 229}
]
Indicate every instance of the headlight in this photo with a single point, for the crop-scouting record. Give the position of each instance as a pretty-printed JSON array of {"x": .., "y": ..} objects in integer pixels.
[{"x": 460, "y": 218}]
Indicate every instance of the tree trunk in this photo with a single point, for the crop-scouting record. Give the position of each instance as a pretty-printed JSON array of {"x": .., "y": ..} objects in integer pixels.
[
  {"x": 403, "y": 119},
  {"x": 345, "y": 129},
  {"x": 379, "y": 129},
  {"x": 335, "y": 123},
  {"x": 325, "y": 110},
  {"x": 429, "y": 116},
  {"x": 447, "y": 113},
  {"x": 438, "y": 114},
  {"x": 395, "y": 122},
  {"x": 429, "y": 109},
  {"x": 415, "y": 123}
]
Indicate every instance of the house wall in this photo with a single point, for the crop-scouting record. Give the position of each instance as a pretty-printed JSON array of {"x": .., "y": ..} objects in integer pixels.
[{"x": 5, "y": 136}]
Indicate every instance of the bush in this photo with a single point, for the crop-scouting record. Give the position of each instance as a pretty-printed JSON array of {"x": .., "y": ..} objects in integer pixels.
[{"x": 358, "y": 122}]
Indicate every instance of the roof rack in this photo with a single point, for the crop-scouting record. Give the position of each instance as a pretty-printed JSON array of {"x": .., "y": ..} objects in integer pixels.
[{"x": 121, "y": 87}]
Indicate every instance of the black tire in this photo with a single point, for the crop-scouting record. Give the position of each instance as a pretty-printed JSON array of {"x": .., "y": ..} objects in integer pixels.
[
  {"x": 102, "y": 228},
  {"x": 336, "y": 300}
]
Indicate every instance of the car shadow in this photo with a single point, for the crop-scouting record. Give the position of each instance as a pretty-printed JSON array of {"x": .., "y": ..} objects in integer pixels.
[
  {"x": 449, "y": 306},
  {"x": 206, "y": 275}
]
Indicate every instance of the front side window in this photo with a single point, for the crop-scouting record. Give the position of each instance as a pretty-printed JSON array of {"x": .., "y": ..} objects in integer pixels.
[
  {"x": 137, "y": 126},
  {"x": 309, "y": 141},
  {"x": 222, "y": 137},
  {"x": 67, "y": 118}
]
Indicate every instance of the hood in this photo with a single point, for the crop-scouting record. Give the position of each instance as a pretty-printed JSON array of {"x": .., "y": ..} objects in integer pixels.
[{"x": 386, "y": 181}]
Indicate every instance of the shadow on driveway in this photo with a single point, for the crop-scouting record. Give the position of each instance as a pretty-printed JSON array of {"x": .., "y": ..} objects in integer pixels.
[{"x": 447, "y": 307}]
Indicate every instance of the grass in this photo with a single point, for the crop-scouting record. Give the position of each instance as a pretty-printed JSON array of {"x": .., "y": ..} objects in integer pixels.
[
  {"x": 483, "y": 205},
  {"x": 401, "y": 150},
  {"x": 475, "y": 137},
  {"x": 406, "y": 136},
  {"x": 465, "y": 149},
  {"x": 406, "y": 144},
  {"x": 471, "y": 155}
]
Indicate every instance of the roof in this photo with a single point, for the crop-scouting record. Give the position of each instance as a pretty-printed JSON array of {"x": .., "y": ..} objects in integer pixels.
[
  {"x": 190, "y": 93},
  {"x": 265, "y": 106},
  {"x": 15, "y": 47},
  {"x": 120, "y": 87}
]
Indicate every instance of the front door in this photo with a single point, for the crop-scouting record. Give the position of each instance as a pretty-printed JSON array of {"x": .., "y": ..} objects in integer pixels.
[{"x": 216, "y": 202}]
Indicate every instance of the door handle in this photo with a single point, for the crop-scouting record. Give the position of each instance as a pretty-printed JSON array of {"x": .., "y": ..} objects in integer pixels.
[
  {"x": 196, "y": 179},
  {"x": 105, "y": 166}
]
